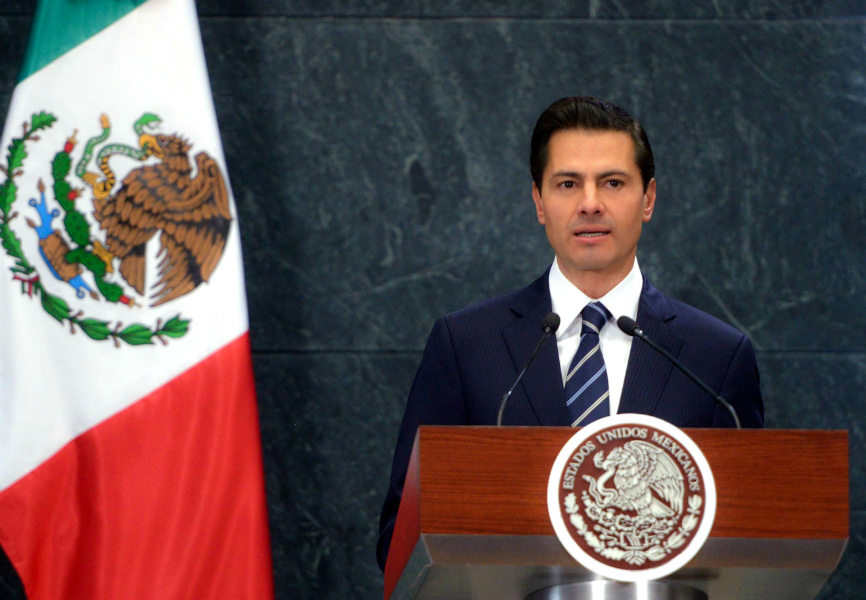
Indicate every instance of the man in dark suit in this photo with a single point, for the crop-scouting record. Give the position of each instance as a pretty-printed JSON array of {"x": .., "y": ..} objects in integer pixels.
[{"x": 593, "y": 188}]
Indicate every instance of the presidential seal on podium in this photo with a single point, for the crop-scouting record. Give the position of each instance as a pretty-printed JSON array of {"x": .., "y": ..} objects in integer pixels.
[{"x": 631, "y": 498}]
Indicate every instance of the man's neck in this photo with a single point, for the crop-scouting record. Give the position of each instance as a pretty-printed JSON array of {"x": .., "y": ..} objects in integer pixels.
[{"x": 595, "y": 284}]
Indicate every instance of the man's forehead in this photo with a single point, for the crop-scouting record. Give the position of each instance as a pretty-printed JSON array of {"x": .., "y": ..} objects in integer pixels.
[{"x": 584, "y": 150}]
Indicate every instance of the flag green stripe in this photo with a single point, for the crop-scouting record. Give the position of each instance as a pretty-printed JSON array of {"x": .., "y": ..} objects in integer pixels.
[{"x": 60, "y": 25}]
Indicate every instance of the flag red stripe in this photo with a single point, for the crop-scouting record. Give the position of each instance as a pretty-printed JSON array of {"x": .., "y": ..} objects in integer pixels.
[{"x": 163, "y": 500}]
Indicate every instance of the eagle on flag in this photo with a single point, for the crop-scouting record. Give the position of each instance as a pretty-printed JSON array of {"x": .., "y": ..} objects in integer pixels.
[{"x": 191, "y": 212}]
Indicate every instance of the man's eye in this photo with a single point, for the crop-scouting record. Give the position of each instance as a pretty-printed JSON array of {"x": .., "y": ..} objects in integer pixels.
[
  {"x": 615, "y": 183},
  {"x": 567, "y": 184}
]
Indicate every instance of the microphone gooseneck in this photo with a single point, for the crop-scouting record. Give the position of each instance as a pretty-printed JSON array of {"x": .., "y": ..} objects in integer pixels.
[
  {"x": 629, "y": 327},
  {"x": 549, "y": 325}
]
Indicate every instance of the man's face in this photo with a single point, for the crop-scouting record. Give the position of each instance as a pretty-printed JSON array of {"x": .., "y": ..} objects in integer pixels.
[{"x": 592, "y": 204}]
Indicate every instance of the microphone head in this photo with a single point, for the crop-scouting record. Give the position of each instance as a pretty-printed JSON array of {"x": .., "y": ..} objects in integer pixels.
[
  {"x": 627, "y": 325},
  {"x": 550, "y": 323}
]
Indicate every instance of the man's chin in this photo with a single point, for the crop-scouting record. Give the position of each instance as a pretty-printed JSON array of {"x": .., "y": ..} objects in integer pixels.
[{"x": 590, "y": 260}]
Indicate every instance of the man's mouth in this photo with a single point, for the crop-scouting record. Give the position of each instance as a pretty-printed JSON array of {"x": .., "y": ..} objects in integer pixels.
[{"x": 592, "y": 233}]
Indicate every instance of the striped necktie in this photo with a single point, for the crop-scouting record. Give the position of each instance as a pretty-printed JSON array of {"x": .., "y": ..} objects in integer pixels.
[{"x": 586, "y": 389}]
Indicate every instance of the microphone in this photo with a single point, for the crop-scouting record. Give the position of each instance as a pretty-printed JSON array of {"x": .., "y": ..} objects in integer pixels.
[
  {"x": 630, "y": 327},
  {"x": 549, "y": 325}
]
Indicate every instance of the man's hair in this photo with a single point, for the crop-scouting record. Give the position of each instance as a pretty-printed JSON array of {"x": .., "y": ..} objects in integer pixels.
[{"x": 591, "y": 114}]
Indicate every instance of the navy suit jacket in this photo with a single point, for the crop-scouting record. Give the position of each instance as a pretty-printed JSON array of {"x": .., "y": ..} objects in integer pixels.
[{"x": 474, "y": 355}]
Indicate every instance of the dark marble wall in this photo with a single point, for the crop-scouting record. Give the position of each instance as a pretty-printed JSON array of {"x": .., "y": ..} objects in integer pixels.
[{"x": 377, "y": 150}]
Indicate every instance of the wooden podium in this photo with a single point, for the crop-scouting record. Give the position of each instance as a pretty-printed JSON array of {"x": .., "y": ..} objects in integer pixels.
[{"x": 473, "y": 521}]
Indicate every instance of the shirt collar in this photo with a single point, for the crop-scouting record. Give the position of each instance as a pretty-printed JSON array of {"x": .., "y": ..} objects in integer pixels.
[{"x": 568, "y": 301}]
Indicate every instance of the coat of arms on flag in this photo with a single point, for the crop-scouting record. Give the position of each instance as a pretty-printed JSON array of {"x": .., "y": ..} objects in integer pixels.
[{"x": 188, "y": 211}]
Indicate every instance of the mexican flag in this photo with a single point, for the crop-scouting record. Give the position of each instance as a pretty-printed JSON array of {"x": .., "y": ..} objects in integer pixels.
[{"x": 130, "y": 459}]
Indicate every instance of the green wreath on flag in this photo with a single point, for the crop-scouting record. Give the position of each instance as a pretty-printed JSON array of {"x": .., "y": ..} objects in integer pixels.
[{"x": 85, "y": 254}]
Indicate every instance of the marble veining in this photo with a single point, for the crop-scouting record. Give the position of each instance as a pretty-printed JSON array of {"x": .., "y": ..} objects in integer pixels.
[{"x": 378, "y": 156}]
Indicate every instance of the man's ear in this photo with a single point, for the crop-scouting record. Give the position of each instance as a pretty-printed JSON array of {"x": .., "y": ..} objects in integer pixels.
[
  {"x": 539, "y": 208},
  {"x": 649, "y": 200}
]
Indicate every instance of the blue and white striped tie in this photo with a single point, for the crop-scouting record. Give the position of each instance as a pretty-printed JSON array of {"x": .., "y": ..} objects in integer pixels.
[{"x": 586, "y": 389}]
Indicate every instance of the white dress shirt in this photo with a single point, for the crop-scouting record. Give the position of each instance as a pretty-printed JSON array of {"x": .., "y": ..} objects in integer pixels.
[{"x": 568, "y": 302}]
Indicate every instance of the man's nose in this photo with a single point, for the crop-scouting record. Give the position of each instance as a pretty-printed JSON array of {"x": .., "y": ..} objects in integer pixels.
[{"x": 590, "y": 203}]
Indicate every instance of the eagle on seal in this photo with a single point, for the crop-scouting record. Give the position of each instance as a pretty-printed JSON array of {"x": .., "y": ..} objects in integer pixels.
[
  {"x": 639, "y": 469},
  {"x": 192, "y": 213}
]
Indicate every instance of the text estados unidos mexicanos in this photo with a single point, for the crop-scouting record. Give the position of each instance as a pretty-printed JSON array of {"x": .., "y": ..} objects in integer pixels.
[
  {"x": 632, "y": 432},
  {"x": 682, "y": 457}
]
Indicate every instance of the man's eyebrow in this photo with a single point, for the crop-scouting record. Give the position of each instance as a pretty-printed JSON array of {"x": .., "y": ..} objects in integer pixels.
[
  {"x": 572, "y": 174},
  {"x": 607, "y": 174},
  {"x": 603, "y": 175}
]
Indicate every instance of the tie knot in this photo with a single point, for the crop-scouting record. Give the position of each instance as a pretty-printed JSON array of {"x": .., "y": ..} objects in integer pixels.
[{"x": 595, "y": 315}]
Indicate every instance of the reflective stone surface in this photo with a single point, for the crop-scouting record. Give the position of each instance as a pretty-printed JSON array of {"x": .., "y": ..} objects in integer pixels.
[
  {"x": 396, "y": 8},
  {"x": 377, "y": 151},
  {"x": 736, "y": 9},
  {"x": 849, "y": 579},
  {"x": 373, "y": 222},
  {"x": 329, "y": 425}
]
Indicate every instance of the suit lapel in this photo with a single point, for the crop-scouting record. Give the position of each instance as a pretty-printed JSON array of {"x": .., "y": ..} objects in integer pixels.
[
  {"x": 648, "y": 371},
  {"x": 543, "y": 380}
]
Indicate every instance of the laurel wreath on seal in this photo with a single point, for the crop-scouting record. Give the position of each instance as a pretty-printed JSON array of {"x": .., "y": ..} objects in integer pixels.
[
  {"x": 96, "y": 329},
  {"x": 636, "y": 557}
]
